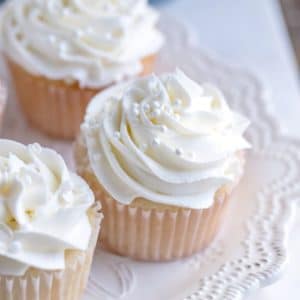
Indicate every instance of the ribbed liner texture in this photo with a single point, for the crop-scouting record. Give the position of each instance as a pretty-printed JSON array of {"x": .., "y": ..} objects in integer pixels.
[
  {"x": 153, "y": 234},
  {"x": 67, "y": 284},
  {"x": 3, "y": 99},
  {"x": 55, "y": 107}
]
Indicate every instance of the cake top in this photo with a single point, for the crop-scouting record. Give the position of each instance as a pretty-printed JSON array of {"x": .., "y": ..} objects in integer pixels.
[
  {"x": 166, "y": 139},
  {"x": 92, "y": 42},
  {"x": 43, "y": 209}
]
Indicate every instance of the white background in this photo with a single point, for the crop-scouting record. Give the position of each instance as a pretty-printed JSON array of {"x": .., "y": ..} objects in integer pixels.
[{"x": 252, "y": 33}]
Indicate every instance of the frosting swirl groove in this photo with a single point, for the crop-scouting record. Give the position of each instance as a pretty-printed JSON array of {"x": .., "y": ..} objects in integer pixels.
[
  {"x": 93, "y": 42},
  {"x": 43, "y": 209},
  {"x": 166, "y": 139}
]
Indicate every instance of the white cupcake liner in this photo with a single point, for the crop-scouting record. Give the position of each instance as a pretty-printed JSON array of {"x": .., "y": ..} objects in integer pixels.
[
  {"x": 55, "y": 107},
  {"x": 67, "y": 284},
  {"x": 3, "y": 100},
  {"x": 159, "y": 234}
]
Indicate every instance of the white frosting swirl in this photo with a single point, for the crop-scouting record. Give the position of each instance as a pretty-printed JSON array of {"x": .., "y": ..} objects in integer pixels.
[
  {"x": 166, "y": 139},
  {"x": 43, "y": 209},
  {"x": 93, "y": 42}
]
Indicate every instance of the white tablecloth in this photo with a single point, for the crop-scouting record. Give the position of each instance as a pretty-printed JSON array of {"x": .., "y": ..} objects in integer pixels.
[{"x": 252, "y": 33}]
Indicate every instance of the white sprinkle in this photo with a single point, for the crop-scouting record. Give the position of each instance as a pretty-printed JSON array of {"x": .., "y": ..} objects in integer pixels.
[
  {"x": 67, "y": 196},
  {"x": 35, "y": 148},
  {"x": 178, "y": 151},
  {"x": 163, "y": 128},
  {"x": 177, "y": 102},
  {"x": 155, "y": 142},
  {"x": 156, "y": 113},
  {"x": 146, "y": 107},
  {"x": 63, "y": 47},
  {"x": 79, "y": 33},
  {"x": 157, "y": 104},
  {"x": 168, "y": 110},
  {"x": 15, "y": 247},
  {"x": 52, "y": 38},
  {"x": 117, "y": 134},
  {"x": 66, "y": 12},
  {"x": 108, "y": 36},
  {"x": 136, "y": 111}
]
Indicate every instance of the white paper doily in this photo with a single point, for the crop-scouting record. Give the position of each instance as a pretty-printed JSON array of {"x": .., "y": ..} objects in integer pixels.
[{"x": 251, "y": 250}]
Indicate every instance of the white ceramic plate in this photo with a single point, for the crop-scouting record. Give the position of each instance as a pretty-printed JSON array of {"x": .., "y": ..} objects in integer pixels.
[{"x": 251, "y": 250}]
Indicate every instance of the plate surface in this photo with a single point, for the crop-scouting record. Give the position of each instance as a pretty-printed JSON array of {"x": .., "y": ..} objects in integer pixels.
[{"x": 251, "y": 250}]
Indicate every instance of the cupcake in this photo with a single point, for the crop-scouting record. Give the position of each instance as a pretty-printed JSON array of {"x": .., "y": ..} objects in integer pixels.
[
  {"x": 61, "y": 53},
  {"x": 49, "y": 225},
  {"x": 162, "y": 155},
  {"x": 3, "y": 96}
]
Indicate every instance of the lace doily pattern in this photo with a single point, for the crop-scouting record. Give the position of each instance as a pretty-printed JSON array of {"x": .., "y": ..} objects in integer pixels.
[{"x": 264, "y": 250}]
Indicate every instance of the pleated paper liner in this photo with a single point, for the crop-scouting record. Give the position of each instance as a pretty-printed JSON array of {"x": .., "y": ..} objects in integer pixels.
[
  {"x": 55, "y": 107},
  {"x": 159, "y": 235},
  {"x": 3, "y": 99},
  {"x": 67, "y": 284},
  {"x": 153, "y": 234}
]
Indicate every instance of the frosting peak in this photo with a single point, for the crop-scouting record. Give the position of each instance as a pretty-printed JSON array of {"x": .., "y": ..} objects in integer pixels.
[
  {"x": 43, "y": 209},
  {"x": 92, "y": 42},
  {"x": 164, "y": 138}
]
